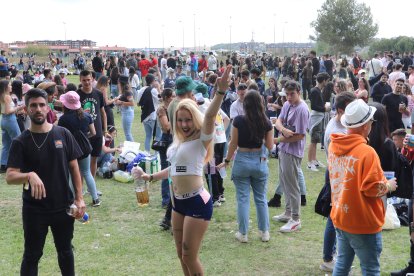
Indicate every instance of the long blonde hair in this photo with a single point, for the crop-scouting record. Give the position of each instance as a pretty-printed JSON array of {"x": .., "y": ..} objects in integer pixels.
[{"x": 198, "y": 118}]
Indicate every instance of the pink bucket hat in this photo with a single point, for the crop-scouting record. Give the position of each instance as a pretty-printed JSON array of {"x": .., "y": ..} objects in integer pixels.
[
  {"x": 70, "y": 100},
  {"x": 26, "y": 87}
]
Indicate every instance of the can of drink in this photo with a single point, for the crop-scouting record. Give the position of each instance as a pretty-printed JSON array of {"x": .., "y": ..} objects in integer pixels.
[{"x": 411, "y": 141}]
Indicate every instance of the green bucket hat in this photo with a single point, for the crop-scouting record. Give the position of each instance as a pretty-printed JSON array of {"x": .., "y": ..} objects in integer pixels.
[
  {"x": 184, "y": 85},
  {"x": 203, "y": 89}
]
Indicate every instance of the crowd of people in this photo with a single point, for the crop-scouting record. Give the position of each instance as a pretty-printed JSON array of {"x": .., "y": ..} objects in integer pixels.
[{"x": 210, "y": 114}]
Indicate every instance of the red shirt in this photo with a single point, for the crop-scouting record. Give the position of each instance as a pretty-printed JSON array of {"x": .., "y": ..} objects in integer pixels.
[
  {"x": 144, "y": 65},
  {"x": 202, "y": 63},
  {"x": 154, "y": 62}
]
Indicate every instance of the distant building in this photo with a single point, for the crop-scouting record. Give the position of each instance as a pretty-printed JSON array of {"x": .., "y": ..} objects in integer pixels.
[{"x": 73, "y": 44}]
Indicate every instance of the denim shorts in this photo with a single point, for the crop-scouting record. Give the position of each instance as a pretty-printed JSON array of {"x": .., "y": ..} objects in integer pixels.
[{"x": 198, "y": 206}]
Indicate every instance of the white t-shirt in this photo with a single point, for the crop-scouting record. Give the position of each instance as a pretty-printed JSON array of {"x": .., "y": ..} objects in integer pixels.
[
  {"x": 212, "y": 63},
  {"x": 236, "y": 109},
  {"x": 333, "y": 126},
  {"x": 163, "y": 64},
  {"x": 155, "y": 100},
  {"x": 395, "y": 76}
]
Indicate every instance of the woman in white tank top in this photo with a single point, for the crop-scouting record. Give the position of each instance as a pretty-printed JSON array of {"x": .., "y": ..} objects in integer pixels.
[{"x": 191, "y": 149}]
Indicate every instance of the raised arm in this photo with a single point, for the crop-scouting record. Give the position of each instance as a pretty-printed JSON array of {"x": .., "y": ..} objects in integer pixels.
[{"x": 214, "y": 107}]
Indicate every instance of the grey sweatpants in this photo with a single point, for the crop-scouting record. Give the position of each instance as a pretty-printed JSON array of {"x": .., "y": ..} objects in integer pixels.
[{"x": 289, "y": 166}]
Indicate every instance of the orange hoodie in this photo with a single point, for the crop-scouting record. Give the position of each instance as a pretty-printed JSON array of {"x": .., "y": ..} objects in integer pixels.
[{"x": 357, "y": 183}]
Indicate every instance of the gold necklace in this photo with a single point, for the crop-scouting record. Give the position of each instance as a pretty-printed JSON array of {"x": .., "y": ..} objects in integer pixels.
[{"x": 44, "y": 141}]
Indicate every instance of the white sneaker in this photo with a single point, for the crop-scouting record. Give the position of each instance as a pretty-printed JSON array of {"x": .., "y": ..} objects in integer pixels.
[
  {"x": 291, "y": 226},
  {"x": 222, "y": 199},
  {"x": 282, "y": 218},
  {"x": 318, "y": 164},
  {"x": 327, "y": 266},
  {"x": 217, "y": 203},
  {"x": 265, "y": 236},
  {"x": 312, "y": 167},
  {"x": 240, "y": 237}
]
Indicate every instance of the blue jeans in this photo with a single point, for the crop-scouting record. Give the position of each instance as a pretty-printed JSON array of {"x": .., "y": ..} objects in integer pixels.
[
  {"x": 9, "y": 130},
  {"x": 85, "y": 171},
  {"x": 165, "y": 185},
  {"x": 149, "y": 128},
  {"x": 97, "y": 75},
  {"x": 127, "y": 113},
  {"x": 329, "y": 241},
  {"x": 250, "y": 170},
  {"x": 302, "y": 184},
  {"x": 367, "y": 247}
]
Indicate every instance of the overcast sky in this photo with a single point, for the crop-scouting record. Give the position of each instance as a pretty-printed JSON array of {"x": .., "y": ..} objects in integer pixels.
[{"x": 162, "y": 23}]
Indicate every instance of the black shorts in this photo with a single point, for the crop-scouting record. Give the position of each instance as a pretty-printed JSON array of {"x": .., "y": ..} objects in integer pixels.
[{"x": 96, "y": 143}]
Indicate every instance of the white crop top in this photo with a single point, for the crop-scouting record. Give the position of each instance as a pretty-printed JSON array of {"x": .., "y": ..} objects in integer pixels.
[{"x": 188, "y": 157}]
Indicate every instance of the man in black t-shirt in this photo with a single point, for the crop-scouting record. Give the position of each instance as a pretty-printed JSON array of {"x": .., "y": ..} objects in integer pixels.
[
  {"x": 98, "y": 65},
  {"x": 329, "y": 65},
  {"x": 42, "y": 158},
  {"x": 396, "y": 104},
  {"x": 92, "y": 102}
]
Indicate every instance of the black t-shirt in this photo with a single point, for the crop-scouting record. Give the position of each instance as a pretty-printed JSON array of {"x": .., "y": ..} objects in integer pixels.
[
  {"x": 71, "y": 121},
  {"x": 171, "y": 63},
  {"x": 124, "y": 97},
  {"x": 316, "y": 101},
  {"x": 392, "y": 102},
  {"x": 329, "y": 66},
  {"x": 97, "y": 64},
  {"x": 50, "y": 163},
  {"x": 245, "y": 141},
  {"x": 92, "y": 104}
]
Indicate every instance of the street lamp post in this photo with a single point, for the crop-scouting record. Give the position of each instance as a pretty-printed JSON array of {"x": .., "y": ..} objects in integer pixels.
[
  {"x": 149, "y": 36},
  {"x": 274, "y": 34},
  {"x": 230, "y": 34},
  {"x": 183, "y": 32},
  {"x": 195, "y": 46},
  {"x": 64, "y": 26},
  {"x": 162, "y": 37}
]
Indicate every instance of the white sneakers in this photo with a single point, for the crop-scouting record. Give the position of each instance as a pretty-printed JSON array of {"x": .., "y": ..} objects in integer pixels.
[
  {"x": 282, "y": 218},
  {"x": 264, "y": 236},
  {"x": 291, "y": 226},
  {"x": 327, "y": 266},
  {"x": 314, "y": 165},
  {"x": 240, "y": 237}
]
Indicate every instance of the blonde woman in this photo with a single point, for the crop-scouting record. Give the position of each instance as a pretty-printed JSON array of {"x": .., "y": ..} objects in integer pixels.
[
  {"x": 192, "y": 148},
  {"x": 9, "y": 126}
]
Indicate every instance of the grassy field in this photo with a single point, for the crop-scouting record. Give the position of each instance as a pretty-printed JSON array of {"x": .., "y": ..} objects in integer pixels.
[{"x": 123, "y": 239}]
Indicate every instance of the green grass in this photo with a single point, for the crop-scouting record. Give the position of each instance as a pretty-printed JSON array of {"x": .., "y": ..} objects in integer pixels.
[{"x": 123, "y": 239}]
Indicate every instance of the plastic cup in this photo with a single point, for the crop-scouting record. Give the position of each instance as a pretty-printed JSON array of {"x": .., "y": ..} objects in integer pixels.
[
  {"x": 389, "y": 175},
  {"x": 223, "y": 172}
]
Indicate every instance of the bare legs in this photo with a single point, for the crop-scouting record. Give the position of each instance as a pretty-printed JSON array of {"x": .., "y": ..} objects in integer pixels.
[{"x": 188, "y": 234}]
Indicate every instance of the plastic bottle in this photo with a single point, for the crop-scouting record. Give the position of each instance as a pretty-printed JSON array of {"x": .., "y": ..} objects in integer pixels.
[{"x": 71, "y": 211}]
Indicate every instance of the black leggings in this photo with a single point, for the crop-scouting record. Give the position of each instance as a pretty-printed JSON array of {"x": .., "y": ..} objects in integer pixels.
[{"x": 36, "y": 226}]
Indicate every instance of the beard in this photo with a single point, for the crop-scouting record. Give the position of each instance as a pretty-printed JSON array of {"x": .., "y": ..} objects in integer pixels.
[{"x": 37, "y": 120}]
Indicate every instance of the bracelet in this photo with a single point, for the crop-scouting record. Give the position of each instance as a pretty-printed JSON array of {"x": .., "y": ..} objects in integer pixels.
[
  {"x": 388, "y": 187},
  {"x": 221, "y": 92},
  {"x": 226, "y": 161},
  {"x": 151, "y": 178}
]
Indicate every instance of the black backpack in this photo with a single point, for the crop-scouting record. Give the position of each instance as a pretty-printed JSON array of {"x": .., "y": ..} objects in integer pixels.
[{"x": 323, "y": 202}]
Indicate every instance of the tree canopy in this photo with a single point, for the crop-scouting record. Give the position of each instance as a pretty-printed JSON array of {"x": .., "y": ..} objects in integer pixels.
[
  {"x": 344, "y": 24},
  {"x": 397, "y": 44}
]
